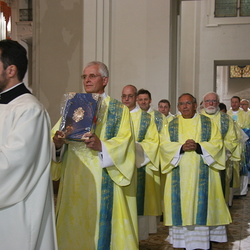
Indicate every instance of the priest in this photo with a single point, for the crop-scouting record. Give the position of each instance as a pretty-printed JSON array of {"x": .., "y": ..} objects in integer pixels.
[
  {"x": 192, "y": 154},
  {"x": 96, "y": 206}
]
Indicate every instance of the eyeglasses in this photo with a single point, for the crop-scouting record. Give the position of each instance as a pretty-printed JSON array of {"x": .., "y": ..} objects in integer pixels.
[
  {"x": 183, "y": 103},
  {"x": 127, "y": 96},
  {"x": 91, "y": 76},
  {"x": 208, "y": 101}
]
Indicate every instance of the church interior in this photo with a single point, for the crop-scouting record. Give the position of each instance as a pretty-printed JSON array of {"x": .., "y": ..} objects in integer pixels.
[{"x": 168, "y": 47}]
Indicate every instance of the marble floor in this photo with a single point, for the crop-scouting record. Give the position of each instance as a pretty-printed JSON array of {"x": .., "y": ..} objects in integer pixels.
[{"x": 238, "y": 230}]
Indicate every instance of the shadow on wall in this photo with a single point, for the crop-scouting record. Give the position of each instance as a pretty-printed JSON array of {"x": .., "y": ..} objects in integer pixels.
[{"x": 60, "y": 38}]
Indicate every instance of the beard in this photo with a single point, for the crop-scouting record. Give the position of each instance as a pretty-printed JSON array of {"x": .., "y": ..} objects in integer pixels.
[{"x": 211, "y": 110}]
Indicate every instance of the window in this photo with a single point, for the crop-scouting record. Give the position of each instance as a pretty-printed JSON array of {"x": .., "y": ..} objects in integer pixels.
[
  {"x": 232, "y": 8},
  {"x": 244, "y": 7},
  {"x": 225, "y": 8},
  {"x": 240, "y": 71},
  {"x": 25, "y": 10},
  {"x": 25, "y": 15}
]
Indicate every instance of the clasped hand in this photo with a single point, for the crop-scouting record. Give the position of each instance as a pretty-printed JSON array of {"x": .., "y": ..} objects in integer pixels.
[{"x": 189, "y": 145}]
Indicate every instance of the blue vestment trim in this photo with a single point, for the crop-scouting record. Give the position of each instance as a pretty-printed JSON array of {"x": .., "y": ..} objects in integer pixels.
[
  {"x": 105, "y": 224},
  {"x": 115, "y": 110},
  {"x": 144, "y": 123},
  {"x": 176, "y": 190},
  {"x": 201, "y": 216},
  {"x": 224, "y": 124},
  {"x": 158, "y": 120},
  {"x": 141, "y": 172}
]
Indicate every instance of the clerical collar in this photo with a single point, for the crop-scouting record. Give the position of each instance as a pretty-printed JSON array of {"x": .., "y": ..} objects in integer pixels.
[
  {"x": 103, "y": 95},
  {"x": 235, "y": 112},
  {"x": 10, "y": 94},
  {"x": 195, "y": 114},
  {"x": 135, "y": 109}
]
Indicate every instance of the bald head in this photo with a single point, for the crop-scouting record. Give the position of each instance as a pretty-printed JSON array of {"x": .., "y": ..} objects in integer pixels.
[{"x": 129, "y": 95}]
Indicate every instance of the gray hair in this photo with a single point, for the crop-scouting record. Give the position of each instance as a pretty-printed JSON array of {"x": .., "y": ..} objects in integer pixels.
[
  {"x": 103, "y": 69},
  {"x": 211, "y": 92},
  {"x": 194, "y": 99},
  {"x": 244, "y": 100}
]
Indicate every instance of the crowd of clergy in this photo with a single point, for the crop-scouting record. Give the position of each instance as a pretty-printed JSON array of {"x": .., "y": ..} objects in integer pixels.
[
  {"x": 139, "y": 166},
  {"x": 233, "y": 173},
  {"x": 142, "y": 166}
]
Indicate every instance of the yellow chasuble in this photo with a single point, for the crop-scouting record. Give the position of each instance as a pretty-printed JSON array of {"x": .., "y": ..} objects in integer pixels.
[
  {"x": 170, "y": 118},
  {"x": 227, "y": 129},
  {"x": 82, "y": 196},
  {"x": 150, "y": 143},
  {"x": 241, "y": 117},
  {"x": 230, "y": 138},
  {"x": 193, "y": 193},
  {"x": 161, "y": 122}
]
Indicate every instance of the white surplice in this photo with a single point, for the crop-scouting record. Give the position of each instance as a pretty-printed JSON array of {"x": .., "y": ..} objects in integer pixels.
[{"x": 26, "y": 197}]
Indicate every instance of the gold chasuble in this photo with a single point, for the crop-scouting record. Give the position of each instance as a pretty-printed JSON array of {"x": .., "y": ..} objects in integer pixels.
[
  {"x": 96, "y": 207},
  {"x": 193, "y": 193},
  {"x": 148, "y": 180}
]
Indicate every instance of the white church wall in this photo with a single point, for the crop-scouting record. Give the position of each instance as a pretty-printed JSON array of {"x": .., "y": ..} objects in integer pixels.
[
  {"x": 207, "y": 43},
  {"x": 133, "y": 41},
  {"x": 131, "y": 37},
  {"x": 57, "y": 45}
]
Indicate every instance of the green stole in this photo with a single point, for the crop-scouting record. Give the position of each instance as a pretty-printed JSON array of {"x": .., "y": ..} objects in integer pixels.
[
  {"x": 141, "y": 172},
  {"x": 158, "y": 120},
  {"x": 224, "y": 124},
  {"x": 201, "y": 216},
  {"x": 115, "y": 111}
]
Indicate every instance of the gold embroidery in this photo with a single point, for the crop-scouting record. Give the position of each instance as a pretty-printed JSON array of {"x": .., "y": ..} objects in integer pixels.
[{"x": 78, "y": 114}]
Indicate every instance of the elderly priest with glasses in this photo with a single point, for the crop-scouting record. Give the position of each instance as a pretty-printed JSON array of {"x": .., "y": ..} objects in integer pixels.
[{"x": 96, "y": 207}]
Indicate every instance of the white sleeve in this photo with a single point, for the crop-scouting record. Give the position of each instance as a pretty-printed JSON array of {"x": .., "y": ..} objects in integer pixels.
[
  {"x": 175, "y": 161},
  {"x": 207, "y": 157},
  {"x": 141, "y": 158},
  {"x": 57, "y": 154},
  {"x": 105, "y": 158}
]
